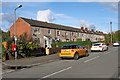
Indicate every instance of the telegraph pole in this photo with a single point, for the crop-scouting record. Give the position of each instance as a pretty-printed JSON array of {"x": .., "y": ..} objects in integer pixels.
[{"x": 111, "y": 32}]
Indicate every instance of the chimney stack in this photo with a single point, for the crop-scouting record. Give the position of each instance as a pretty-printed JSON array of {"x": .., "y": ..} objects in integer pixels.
[
  {"x": 86, "y": 29},
  {"x": 92, "y": 30},
  {"x": 82, "y": 28}
]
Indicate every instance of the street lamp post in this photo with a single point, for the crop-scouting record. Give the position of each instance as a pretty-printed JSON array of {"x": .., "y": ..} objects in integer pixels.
[
  {"x": 111, "y": 32},
  {"x": 19, "y": 6}
]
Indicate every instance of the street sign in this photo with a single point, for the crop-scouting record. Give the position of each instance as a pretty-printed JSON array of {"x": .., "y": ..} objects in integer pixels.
[
  {"x": 15, "y": 38},
  {"x": 13, "y": 47}
]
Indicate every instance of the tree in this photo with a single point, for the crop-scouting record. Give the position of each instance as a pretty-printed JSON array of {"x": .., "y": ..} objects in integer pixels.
[
  {"x": 107, "y": 38},
  {"x": 23, "y": 37},
  {"x": 116, "y": 36}
]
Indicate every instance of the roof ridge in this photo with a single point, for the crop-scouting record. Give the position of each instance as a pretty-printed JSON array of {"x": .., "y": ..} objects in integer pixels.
[
  {"x": 38, "y": 23},
  {"x": 49, "y": 23}
]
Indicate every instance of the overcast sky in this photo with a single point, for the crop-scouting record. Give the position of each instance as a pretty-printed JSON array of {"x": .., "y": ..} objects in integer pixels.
[{"x": 96, "y": 15}]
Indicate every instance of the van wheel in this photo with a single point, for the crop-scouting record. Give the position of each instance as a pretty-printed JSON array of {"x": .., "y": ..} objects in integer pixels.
[{"x": 76, "y": 56}]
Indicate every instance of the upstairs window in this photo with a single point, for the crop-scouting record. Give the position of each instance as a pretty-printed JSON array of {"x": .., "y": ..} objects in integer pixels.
[
  {"x": 36, "y": 30},
  {"x": 49, "y": 31},
  {"x": 66, "y": 33},
  {"x": 77, "y": 34},
  {"x": 72, "y": 33},
  {"x": 58, "y": 33}
]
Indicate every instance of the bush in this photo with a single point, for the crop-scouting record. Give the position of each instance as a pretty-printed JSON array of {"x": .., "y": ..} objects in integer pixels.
[
  {"x": 53, "y": 45},
  {"x": 26, "y": 48},
  {"x": 82, "y": 43},
  {"x": 79, "y": 39}
]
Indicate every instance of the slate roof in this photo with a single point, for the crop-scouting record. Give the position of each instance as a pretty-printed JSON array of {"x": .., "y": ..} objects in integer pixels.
[{"x": 37, "y": 23}]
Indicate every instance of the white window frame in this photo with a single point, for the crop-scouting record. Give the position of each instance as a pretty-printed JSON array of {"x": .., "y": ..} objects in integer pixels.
[
  {"x": 48, "y": 31},
  {"x": 58, "y": 33},
  {"x": 37, "y": 39},
  {"x": 66, "y": 34},
  {"x": 37, "y": 30},
  {"x": 72, "y": 33}
]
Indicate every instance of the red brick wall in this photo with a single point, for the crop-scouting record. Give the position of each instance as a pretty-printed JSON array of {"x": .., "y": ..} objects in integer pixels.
[{"x": 21, "y": 27}]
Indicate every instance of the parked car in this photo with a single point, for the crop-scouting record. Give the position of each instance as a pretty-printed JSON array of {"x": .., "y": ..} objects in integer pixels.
[
  {"x": 116, "y": 43},
  {"x": 99, "y": 47},
  {"x": 72, "y": 51}
]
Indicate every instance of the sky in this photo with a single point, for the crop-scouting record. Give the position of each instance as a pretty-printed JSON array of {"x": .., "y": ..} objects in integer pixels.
[{"x": 93, "y": 15}]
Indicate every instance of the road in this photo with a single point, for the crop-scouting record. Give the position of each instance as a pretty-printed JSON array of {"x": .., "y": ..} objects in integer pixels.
[{"x": 96, "y": 65}]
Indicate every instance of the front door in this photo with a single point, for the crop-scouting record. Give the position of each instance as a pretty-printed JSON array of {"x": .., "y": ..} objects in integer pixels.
[{"x": 47, "y": 42}]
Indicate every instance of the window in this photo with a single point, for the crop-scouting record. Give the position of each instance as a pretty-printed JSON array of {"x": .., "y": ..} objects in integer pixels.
[
  {"x": 80, "y": 47},
  {"x": 96, "y": 44},
  {"x": 37, "y": 40},
  {"x": 72, "y": 33},
  {"x": 82, "y": 35},
  {"x": 77, "y": 34},
  {"x": 66, "y": 33},
  {"x": 36, "y": 30},
  {"x": 70, "y": 47},
  {"x": 58, "y": 33},
  {"x": 49, "y": 32}
]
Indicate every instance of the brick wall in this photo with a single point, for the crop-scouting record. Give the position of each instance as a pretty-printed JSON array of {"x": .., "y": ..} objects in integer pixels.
[{"x": 21, "y": 27}]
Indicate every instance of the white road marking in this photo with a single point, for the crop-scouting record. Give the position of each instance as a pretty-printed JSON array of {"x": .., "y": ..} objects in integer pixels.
[
  {"x": 57, "y": 72},
  {"x": 91, "y": 59}
]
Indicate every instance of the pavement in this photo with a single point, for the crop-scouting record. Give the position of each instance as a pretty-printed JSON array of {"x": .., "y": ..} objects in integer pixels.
[
  {"x": 96, "y": 65},
  {"x": 28, "y": 62}
]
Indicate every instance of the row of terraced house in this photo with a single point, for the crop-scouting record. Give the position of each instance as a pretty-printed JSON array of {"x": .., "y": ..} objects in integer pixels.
[{"x": 45, "y": 33}]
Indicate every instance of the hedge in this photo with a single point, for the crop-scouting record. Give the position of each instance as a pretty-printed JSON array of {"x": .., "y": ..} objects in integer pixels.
[{"x": 82, "y": 43}]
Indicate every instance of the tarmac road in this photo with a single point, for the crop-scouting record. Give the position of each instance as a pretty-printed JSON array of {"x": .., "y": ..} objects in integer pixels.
[{"x": 96, "y": 65}]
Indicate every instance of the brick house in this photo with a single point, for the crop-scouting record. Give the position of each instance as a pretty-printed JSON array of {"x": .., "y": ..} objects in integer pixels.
[{"x": 45, "y": 33}]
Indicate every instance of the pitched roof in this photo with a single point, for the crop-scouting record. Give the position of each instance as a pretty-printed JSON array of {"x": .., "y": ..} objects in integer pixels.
[{"x": 37, "y": 23}]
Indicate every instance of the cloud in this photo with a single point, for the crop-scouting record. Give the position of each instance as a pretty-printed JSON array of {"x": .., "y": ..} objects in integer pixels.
[
  {"x": 98, "y": 0},
  {"x": 7, "y": 17},
  {"x": 46, "y": 16},
  {"x": 6, "y": 21},
  {"x": 110, "y": 5},
  {"x": 105, "y": 32},
  {"x": 59, "y": 14},
  {"x": 84, "y": 23},
  {"x": 4, "y": 28}
]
